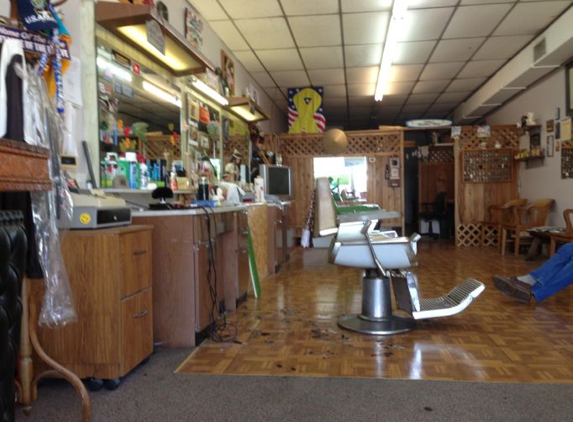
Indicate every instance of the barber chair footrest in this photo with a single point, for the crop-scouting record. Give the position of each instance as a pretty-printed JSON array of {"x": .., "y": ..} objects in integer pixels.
[
  {"x": 382, "y": 327},
  {"x": 458, "y": 299}
]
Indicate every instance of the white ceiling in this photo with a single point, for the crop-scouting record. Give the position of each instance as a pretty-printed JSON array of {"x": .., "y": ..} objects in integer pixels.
[{"x": 448, "y": 50}]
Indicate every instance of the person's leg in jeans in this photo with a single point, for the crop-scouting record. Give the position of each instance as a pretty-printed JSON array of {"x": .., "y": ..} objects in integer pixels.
[{"x": 555, "y": 274}]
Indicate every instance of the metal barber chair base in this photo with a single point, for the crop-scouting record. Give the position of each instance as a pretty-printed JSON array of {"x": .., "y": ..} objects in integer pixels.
[{"x": 376, "y": 317}]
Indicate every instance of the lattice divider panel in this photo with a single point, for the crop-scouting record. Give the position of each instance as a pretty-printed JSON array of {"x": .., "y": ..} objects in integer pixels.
[
  {"x": 567, "y": 160},
  {"x": 468, "y": 235},
  {"x": 441, "y": 155},
  {"x": 239, "y": 143},
  {"x": 507, "y": 135},
  {"x": 157, "y": 146},
  {"x": 359, "y": 143},
  {"x": 490, "y": 234}
]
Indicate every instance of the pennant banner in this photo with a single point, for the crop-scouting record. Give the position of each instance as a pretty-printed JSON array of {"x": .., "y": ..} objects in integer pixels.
[{"x": 305, "y": 113}]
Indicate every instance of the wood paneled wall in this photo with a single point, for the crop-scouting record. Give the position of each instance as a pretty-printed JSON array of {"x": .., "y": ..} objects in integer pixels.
[{"x": 298, "y": 152}]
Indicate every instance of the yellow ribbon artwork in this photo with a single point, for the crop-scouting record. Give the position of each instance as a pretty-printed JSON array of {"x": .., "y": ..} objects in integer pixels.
[{"x": 306, "y": 103}]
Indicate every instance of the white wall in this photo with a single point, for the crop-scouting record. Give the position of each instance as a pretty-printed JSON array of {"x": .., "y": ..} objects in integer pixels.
[{"x": 541, "y": 179}]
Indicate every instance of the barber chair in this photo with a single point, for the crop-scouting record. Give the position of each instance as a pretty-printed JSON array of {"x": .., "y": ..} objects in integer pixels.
[{"x": 384, "y": 257}]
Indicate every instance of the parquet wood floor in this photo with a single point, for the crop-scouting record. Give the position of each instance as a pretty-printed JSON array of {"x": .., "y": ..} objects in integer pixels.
[{"x": 291, "y": 329}]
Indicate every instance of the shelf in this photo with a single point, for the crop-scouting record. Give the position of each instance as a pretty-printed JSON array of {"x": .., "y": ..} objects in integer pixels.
[
  {"x": 143, "y": 191},
  {"x": 530, "y": 158}
]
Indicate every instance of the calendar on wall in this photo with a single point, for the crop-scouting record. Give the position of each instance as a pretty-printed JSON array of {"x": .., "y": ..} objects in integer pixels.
[{"x": 488, "y": 165}]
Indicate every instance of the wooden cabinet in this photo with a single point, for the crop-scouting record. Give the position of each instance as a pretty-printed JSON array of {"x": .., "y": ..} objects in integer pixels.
[{"x": 110, "y": 277}]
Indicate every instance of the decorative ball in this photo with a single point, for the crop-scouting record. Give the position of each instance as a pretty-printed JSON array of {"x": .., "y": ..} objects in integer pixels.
[{"x": 334, "y": 141}]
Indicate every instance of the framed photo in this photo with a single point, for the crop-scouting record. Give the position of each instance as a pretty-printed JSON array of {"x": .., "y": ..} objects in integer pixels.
[
  {"x": 228, "y": 67},
  {"x": 550, "y": 145},
  {"x": 549, "y": 125},
  {"x": 569, "y": 89}
]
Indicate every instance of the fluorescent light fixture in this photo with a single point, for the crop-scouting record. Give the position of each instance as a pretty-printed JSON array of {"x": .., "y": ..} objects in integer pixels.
[
  {"x": 131, "y": 23},
  {"x": 208, "y": 91},
  {"x": 115, "y": 70},
  {"x": 399, "y": 10},
  {"x": 162, "y": 94},
  {"x": 246, "y": 109}
]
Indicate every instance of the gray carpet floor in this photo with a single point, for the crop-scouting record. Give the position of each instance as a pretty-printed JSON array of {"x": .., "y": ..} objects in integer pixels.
[{"x": 153, "y": 392}]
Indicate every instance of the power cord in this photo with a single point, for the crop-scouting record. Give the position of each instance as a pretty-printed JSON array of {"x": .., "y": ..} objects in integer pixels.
[{"x": 221, "y": 329}]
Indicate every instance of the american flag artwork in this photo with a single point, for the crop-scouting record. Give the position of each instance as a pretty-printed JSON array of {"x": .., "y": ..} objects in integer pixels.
[{"x": 305, "y": 113}]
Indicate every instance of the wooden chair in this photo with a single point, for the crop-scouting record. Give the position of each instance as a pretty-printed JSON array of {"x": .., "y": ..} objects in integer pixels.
[
  {"x": 498, "y": 215},
  {"x": 564, "y": 237},
  {"x": 533, "y": 215}
]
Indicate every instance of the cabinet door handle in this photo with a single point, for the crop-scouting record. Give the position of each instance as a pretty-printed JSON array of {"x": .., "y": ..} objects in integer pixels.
[
  {"x": 141, "y": 314},
  {"x": 140, "y": 252}
]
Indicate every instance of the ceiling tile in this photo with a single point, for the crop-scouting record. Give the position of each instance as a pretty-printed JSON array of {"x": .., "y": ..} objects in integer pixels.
[
  {"x": 415, "y": 108},
  {"x": 405, "y": 72},
  {"x": 455, "y": 50},
  {"x": 480, "y": 68},
  {"x": 209, "y": 9},
  {"x": 313, "y": 31},
  {"x": 422, "y": 98},
  {"x": 425, "y": 24},
  {"x": 358, "y": 75},
  {"x": 283, "y": 59},
  {"x": 531, "y": 18},
  {"x": 417, "y": 4},
  {"x": 334, "y": 91},
  {"x": 443, "y": 106},
  {"x": 335, "y": 102},
  {"x": 365, "y": 28},
  {"x": 465, "y": 85},
  {"x": 230, "y": 35},
  {"x": 240, "y": 9},
  {"x": 322, "y": 57},
  {"x": 413, "y": 52},
  {"x": 249, "y": 60},
  {"x": 367, "y": 101},
  {"x": 394, "y": 88},
  {"x": 266, "y": 33},
  {"x": 437, "y": 71},
  {"x": 474, "y": 2},
  {"x": 363, "y": 55},
  {"x": 501, "y": 47},
  {"x": 429, "y": 87},
  {"x": 449, "y": 97},
  {"x": 365, "y": 5},
  {"x": 322, "y": 77},
  {"x": 305, "y": 7},
  {"x": 393, "y": 99},
  {"x": 476, "y": 21},
  {"x": 291, "y": 79},
  {"x": 263, "y": 79},
  {"x": 355, "y": 90},
  {"x": 274, "y": 93}
]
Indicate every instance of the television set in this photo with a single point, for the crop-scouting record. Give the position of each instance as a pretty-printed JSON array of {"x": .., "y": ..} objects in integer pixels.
[{"x": 277, "y": 181}]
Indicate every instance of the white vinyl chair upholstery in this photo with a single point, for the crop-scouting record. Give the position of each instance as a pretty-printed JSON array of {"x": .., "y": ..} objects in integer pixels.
[{"x": 385, "y": 258}]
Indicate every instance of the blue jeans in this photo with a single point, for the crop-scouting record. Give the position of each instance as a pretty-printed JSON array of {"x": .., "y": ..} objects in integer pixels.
[{"x": 555, "y": 274}]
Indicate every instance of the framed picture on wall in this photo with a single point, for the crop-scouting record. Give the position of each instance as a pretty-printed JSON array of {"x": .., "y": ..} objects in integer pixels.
[
  {"x": 569, "y": 88},
  {"x": 550, "y": 145},
  {"x": 228, "y": 67}
]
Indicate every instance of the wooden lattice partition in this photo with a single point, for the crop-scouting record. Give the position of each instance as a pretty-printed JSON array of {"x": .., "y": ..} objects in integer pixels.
[
  {"x": 507, "y": 135},
  {"x": 298, "y": 151},
  {"x": 239, "y": 143},
  {"x": 567, "y": 160},
  {"x": 473, "y": 199},
  {"x": 157, "y": 146}
]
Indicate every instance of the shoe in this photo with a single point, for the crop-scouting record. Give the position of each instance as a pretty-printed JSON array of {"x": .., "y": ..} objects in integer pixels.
[{"x": 513, "y": 287}]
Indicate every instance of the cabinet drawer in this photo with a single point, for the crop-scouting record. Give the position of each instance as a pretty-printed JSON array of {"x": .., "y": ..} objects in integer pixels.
[
  {"x": 135, "y": 261},
  {"x": 136, "y": 330}
]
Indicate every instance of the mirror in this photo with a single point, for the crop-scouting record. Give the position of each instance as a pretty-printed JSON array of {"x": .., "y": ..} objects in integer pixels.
[{"x": 139, "y": 117}]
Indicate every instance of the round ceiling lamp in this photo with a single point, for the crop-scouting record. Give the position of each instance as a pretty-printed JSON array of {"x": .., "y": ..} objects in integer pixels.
[{"x": 334, "y": 141}]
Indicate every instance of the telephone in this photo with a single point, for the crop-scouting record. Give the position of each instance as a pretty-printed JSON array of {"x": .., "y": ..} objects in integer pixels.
[{"x": 392, "y": 172}]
